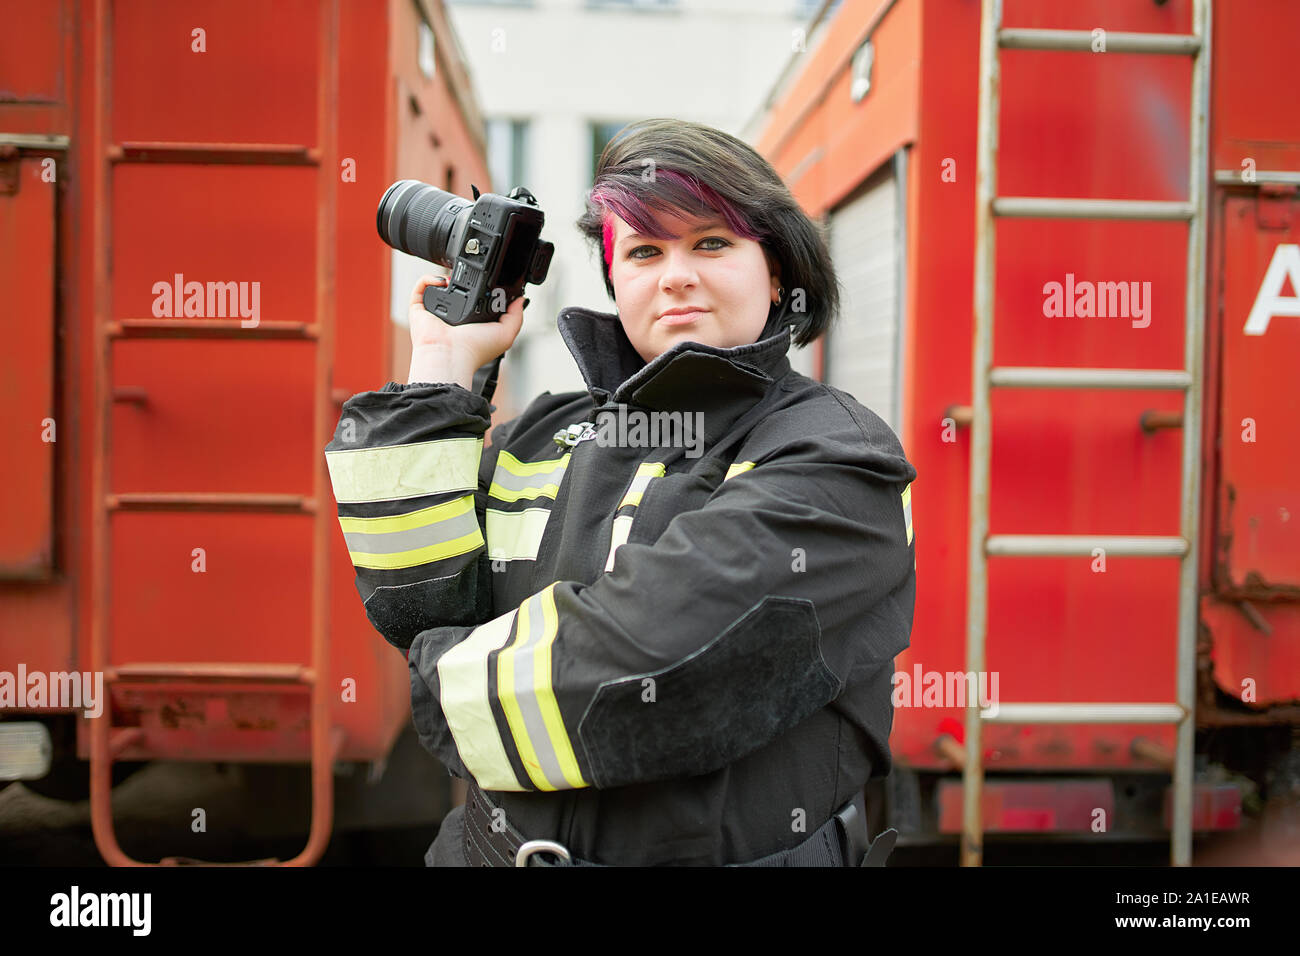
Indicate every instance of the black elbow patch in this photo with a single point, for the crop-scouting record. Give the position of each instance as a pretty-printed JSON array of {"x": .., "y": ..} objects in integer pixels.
[
  {"x": 401, "y": 611},
  {"x": 758, "y": 678}
]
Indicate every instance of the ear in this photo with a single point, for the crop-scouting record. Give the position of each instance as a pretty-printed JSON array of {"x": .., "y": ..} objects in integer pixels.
[{"x": 774, "y": 270}]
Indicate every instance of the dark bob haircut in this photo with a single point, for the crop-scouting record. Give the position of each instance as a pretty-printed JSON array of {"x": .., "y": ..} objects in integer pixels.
[{"x": 675, "y": 165}]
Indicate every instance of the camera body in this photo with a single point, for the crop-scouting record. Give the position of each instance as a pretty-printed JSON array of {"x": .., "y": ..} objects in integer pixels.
[{"x": 492, "y": 245}]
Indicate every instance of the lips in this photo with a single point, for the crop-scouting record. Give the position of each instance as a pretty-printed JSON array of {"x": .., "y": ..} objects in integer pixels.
[{"x": 682, "y": 318}]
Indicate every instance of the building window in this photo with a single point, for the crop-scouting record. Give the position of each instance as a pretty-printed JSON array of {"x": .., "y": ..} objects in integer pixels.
[
  {"x": 863, "y": 60},
  {"x": 507, "y": 148},
  {"x": 631, "y": 4},
  {"x": 807, "y": 9},
  {"x": 601, "y": 134},
  {"x": 425, "y": 55}
]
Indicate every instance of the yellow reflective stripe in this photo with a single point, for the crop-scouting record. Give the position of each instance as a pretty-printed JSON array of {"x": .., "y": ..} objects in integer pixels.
[
  {"x": 737, "y": 468},
  {"x": 404, "y": 471},
  {"x": 545, "y": 694},
  {"x": 515, "y": 535},
  {"x": 409, "y": 559},
  {"x": 528, "y": 698},
  {"x": 549, "y": 490},
  {"x": 410, "y": 521},
  {"x": 510, "y": 704},
  {"x": 514, "y": 480},
  {"x": 644, "y": 473},
  {"x": 618, "y": 538},
  {"x": 524, "y": 469},
  {"x": 463, "y": 683},
  {"x": 400, "y": 541},
  {"x": 907, "y": 511}
]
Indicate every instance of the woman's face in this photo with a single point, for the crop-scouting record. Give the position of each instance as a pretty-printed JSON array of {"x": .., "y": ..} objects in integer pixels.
[{"x": 719, "y": 280}]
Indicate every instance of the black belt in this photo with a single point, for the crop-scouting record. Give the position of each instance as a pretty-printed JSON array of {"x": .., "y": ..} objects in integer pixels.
[{"x": 491, "y": 840}]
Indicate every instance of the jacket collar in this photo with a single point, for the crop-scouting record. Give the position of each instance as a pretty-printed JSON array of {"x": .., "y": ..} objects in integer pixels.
[{"x": 688, "y": 376}]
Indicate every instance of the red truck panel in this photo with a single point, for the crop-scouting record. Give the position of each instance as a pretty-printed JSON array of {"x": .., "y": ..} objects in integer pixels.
[
  {"x": 1259, "y": 434},
  {"x": 234, "y": 415},
  {"x": 1099, "y": 125},
  {"x": 29, "y": 429}
]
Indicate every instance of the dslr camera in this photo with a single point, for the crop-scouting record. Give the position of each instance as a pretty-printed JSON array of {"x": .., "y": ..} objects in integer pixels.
[{"x": 491, "y": 244}]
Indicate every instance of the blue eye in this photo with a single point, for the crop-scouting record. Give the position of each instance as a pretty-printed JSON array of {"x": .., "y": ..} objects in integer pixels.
[{"x": 632, "y": 254}]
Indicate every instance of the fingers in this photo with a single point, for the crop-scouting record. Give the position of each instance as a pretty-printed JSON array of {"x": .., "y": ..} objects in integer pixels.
[
  {"x": 511, "y": 321},
  {"x": 513, "y": 318},
  {"x": 417, "y": 296}
]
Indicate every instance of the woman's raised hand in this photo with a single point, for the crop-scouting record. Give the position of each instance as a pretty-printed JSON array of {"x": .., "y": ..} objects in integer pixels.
[{"x": 441, "y": 352}]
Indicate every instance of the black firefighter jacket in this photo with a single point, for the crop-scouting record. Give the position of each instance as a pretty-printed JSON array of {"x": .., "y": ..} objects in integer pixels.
[{"x": 672, "y": 653}]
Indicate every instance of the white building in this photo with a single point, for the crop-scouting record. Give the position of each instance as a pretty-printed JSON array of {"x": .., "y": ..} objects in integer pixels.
[{"x": 556, "y": 78}]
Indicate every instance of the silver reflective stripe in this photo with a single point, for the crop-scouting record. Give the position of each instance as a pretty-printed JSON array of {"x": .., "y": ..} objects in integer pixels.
[
  {"x": 618, "y": 538},
  {"x": 392, "y": 542},
  {"x": 529, "y": 665},
  {"x": 645, "y": 473},
  {"x": 907, "y": 511},
  {"x": 515, "y": 486}
]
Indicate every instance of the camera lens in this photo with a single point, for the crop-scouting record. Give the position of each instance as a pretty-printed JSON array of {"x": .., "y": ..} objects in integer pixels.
[{"x": 419, "y": 219}]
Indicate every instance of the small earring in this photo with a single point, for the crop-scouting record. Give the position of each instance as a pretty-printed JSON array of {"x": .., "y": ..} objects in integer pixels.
[{"x": 780, "y": 294}]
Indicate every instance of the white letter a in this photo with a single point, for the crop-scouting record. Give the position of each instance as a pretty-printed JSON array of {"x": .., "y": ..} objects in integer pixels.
[{"x": 1270, "y": 301}]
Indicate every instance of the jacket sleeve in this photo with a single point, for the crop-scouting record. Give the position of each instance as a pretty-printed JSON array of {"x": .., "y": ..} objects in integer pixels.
[
  {"x": 744, "y": 617},
  {"x": 410, "y": 479}
]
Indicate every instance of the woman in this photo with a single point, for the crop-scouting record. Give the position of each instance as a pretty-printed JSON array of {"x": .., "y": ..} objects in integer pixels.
[{"x": 672, "y": 644}]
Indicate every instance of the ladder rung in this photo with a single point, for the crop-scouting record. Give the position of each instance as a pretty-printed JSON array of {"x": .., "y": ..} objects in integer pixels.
[
  {"x": 1064, "y": 545},
  {"x": 1052, "y": 207},
  {"x": 257, "y": 154},
  {"x": 214, "y": 501},
  {"x": 280, "y": 673},
  {"x": 1023, "y": 376},
  {"x": 1116, "y": 41},
  {"x": 208, "y": 329},
  {"x": 1263, "y": 177},
  {"x": 1085, "y": 714},
  {"x": 35, "y": 140}
]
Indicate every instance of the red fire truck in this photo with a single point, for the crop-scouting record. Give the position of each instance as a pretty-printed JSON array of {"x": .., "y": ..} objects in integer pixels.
[
  {"x": 167, "y": 520},
  {"x": 1069, "y": 237}
]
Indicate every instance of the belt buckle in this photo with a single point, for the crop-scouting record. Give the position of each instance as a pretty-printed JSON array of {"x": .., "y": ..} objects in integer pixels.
[
  {"x": 853, "y": 824},
  {"x": 527, "y": 849}
]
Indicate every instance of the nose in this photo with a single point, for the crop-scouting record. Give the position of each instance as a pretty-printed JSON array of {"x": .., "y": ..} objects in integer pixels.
[{"x": 678, "y": 272}]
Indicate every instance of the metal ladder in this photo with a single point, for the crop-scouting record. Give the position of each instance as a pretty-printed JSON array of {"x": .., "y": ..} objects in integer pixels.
[
  {"x": 108, "y": 743},
  {"x": 989, "y": 207}
]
